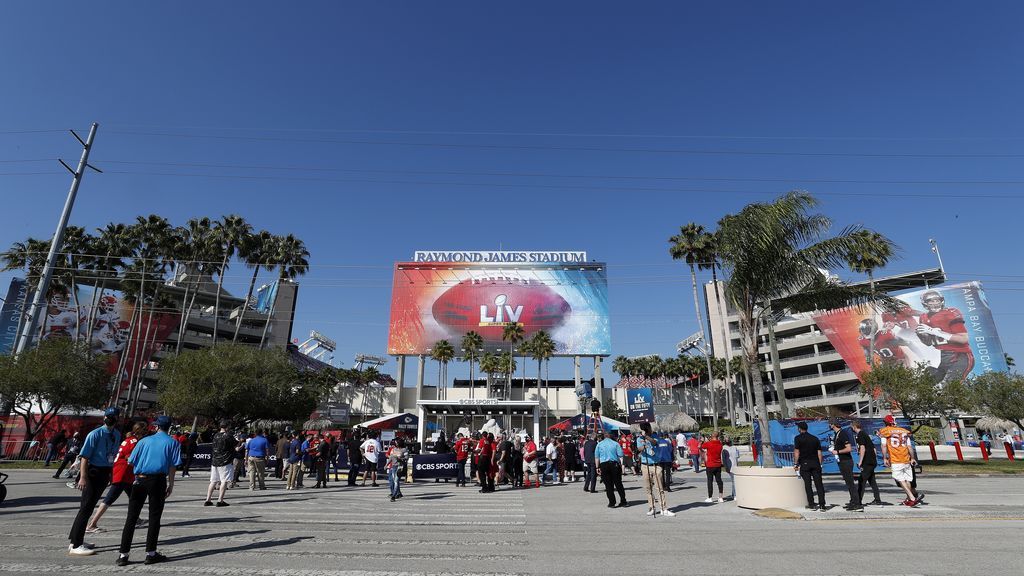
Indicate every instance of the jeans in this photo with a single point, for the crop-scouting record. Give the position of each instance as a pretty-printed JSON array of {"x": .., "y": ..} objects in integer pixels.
[
  {"x": 552, "y": 469},
  {"x": 153, "y": 488},
  {"x": 395, "y": 481},
  {"x": 695, "y": 462},
  {"x": 96, "y": 481},
  {"x": 353, "y": 472},
  {"x": 589, "y": 477},
  {"x": 51, "y": 453},
  {"x": 732, "y": 480},
  {"x": 68, "y": 459},
  {"x": 460, "y": 473}
]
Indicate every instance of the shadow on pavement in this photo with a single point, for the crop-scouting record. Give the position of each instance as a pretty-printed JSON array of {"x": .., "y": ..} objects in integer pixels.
[
  {"x": 201, "y": 521},
  {"x": 246, "y": 547}
]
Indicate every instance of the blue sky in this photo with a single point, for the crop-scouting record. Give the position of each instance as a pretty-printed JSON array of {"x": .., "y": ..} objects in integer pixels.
[{"x": 371, "y": 130}]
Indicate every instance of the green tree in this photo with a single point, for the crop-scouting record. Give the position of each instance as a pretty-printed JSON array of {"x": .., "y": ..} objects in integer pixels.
[
  {"x": 239, "y": 382},
  {"x": 229, "y": 233},
  {"x": 611, "y": 410},
  {"x": 291, "y": 259},
  {"x": 914, "y": 391},
  {"x": 56, "y": 375},
  {"x": 1010, "y": 362},
  {"x": 695, "y": 246},
  {"x": 873, "y": 251},
  {"x": 998, "y": 394},
  {"x": 472, "y": 345},
  {"x": 773, "y": 255},
  {"x": 443, "y": 352},
  {"x": 254, "y": 250},
  {"x": 542, "y": 348},
  {"x": 512, "y": 333}
]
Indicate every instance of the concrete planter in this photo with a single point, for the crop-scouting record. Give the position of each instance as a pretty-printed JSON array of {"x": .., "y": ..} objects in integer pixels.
[{"x": 758, "y": 488}]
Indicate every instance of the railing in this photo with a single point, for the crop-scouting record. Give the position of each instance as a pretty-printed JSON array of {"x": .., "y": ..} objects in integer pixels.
[
  {"x": 822, "y": 375},
  {"x": 26, "y": 450}
]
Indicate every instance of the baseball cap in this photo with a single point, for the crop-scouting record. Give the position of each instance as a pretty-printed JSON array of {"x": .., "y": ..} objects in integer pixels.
[
  {"x": 162, "y": 421},
  {"x": 112, "y": 412},
  {"x": 889, "y": 420}
]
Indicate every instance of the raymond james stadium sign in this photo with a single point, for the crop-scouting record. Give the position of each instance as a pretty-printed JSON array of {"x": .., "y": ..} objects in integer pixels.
[{"x": 501, "y": 257}]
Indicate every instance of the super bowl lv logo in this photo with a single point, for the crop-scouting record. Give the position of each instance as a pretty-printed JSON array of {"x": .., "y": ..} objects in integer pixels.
[{"x": 503, "y": 313}]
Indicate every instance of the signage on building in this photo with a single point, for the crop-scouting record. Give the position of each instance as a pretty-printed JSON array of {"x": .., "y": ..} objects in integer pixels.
[
  {"x": 639, "y": 405},
  {"x": 500, "y": 257},
  {"x": 478, "y": 401}
]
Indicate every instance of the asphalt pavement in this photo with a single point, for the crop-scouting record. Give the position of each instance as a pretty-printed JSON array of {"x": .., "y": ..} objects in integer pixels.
[{"x": 969, "y": 526}]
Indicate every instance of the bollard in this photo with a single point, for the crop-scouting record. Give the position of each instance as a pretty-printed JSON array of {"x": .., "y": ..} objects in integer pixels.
[
  {"x": 1009, "y": 450},
  {"x": 984, "y": 452},
  {"x": 931, "y": 446},
  {"x": 959, "y": 453},
  {"x": 753, "y": 450}
]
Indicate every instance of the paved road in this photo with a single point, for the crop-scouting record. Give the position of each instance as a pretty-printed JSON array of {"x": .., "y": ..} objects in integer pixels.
[{"x": 969, "y": 527}]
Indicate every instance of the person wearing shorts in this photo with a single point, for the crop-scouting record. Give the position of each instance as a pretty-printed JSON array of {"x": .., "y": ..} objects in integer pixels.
[
  {"x": 222, "y": 469},
  {"x": 897, "y": 454},
  {"x": 121, "y": 477}
]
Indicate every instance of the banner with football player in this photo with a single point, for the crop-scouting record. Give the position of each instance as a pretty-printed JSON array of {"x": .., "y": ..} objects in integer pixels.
[
  {"x": 444, "y": 301},
  {"x": 949, "y": 329}
]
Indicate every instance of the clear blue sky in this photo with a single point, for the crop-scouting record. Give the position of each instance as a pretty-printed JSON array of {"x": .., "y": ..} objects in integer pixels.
[{"x": 374, "y": 129}]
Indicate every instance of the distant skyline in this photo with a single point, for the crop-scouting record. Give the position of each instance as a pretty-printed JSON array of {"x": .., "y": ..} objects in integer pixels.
[{"x": 374, "y": 130}]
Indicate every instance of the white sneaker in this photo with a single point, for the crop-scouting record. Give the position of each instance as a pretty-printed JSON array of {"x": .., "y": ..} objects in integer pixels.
[
  {"x": 650, "y": 512},
  {"x": 709, "y": 500},
  {"x": 720, "y": 500},
  {"x": 668, "y": 513},
  {"x": 80, "y": 551}
]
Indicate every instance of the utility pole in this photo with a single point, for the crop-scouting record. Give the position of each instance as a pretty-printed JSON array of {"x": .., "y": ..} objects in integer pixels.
[{"x": 58, "y": 239}]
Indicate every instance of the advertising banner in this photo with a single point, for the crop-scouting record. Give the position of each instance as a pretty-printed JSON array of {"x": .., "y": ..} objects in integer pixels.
[
  {"x": 434, "y": 466},
  {"x": 949, "y": 329},
  {"x": 639, "y": 405},
  {"x": 784, "y": 431},
  {"x": 444, "y": 301},
  {"x": 11, "y": 312}
]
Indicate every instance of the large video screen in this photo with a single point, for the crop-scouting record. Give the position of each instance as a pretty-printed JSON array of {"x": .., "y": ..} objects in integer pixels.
[
  {"x": 444, "y": 301},
  {"x": 949, "y": 329}
]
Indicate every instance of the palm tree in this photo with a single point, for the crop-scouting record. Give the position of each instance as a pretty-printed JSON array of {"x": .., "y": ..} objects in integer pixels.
[
  {"x": 113, "y": 243},
  {"x": 713, "y": 264},
  {"x": 773, "y": 254},
  {"x": 194, "y": 248},
  {"x": 229, "y": 232},
  {"x": 290, "y": 257},
  {"x": 541, "y": 348},
  {"x": 471, "y": 343},
  {"x": 30, "y": 255},
  {"x": 443, "y": 352},
  {"x": 874, "y": 252},
  {"x": 254, "y": 251},
  {"x": 513, "y": 333},
  {"x": 490, "y": 364},
  {"x": 693, "y": 245}
]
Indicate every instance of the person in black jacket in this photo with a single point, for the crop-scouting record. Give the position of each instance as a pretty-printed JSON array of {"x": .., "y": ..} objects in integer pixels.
[
  {"x": 843, "y": 449},
  {"x": 355, "y": 456},
  {"x": 807, "y": 460},
  {"x": 867, "y": 463},
  {"x": 589, "y": 471},
  {"x": 221, "y": 463}
]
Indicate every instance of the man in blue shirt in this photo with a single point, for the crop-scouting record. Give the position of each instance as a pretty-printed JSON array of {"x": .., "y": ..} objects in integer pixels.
[
  {"x": 96, "y": 460},
  {"x": 258, "y": 448},
  {"x": 608, "y": 458},
  {"x": 666, "y": 456},
  {"x": 154, "y": 462}
]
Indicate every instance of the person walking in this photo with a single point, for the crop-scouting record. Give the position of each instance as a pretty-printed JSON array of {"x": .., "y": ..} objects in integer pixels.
[
  {"x": 221, "y": 469},
  {"x": 295, "y": 463},
  {"x": 807, "y": 460},
  {"x": 154, "y": 461},
  {"x": 517, "y": 461},
  {"x": 711, "y": 454},
  {"x": 71, "y": 454},
  {"x": 355, "y": 457},
  {"x": 589, "y": 468},
  {"x": 897, "y": 454},
  {"x": 867, "y": 461},
  {"x": 96, "y": 459},
  {"x": 281, "y": 452},
  {"x": 654, "y": 486},
  {"x": 238, "y": 461},
  {"x": 256, "y": 452},
  {"x": 843, "y": 450},
  {"x": 530, "y": 456},
  {"x": 121, "y": 476},
  {"x": 397, "y": 455},
  {"x": 551, "y": 453},
  {"x": 54, "y": 445},
  {"x": 681, "y": 444},
  {"x": 693, "y": 447},
  {"x": 730, "y": 460},
  {"x": 370, "y": 451},
  {"x": 188, "y": 449},
  {"x": 608, "y": 458}
]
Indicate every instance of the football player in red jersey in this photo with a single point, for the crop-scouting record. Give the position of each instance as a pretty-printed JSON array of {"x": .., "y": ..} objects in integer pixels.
[
  {"x": 887, "y": 346},
  {"x": 943, "y": 328}
]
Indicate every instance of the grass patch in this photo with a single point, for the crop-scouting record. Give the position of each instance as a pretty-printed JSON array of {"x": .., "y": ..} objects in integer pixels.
[
  {"x": 974, "y": 467},
  {"x": 29, "y": 465}
]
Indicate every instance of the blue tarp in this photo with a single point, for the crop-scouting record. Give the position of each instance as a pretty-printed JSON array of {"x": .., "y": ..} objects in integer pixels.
[{"x": 784, "y": 431}]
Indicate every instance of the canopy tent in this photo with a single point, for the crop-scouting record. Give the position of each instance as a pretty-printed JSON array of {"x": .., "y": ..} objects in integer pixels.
[
  {"x": 400, "y": 421},
  {"x": 580, "y": 421}
]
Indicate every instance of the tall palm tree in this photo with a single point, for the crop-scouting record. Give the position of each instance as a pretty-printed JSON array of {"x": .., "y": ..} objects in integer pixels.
[
  {"x": 773, "y": 254},
  {"x": 490, "y": 364},
  {"x": 229, "y": 232},
  {"x": 254, "y": 251},
  {"x": 693, "y": 245},
  {"x": 472, "y": 343},
  {"x": 113, "y": 243},
  {"x": 712, "y": 263},
  {"x": 874, "y": 251},
  {"x": 513, "y": 333},
  {"x": 443, "y": 352},
  {"x": 30, "y": 255},
  {"x": 291, "y": 259},
  {"x": 195, "y": 248},
  {"x": 541, "y": 348}
]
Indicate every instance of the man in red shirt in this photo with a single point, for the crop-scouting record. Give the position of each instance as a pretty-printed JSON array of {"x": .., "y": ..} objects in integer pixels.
[
  {"x": 484, "y": 450},
  {"x": 943, "y": 328},
  {"x": 121, "y": 478},
  {"x": 462, "y": 447},
  {"x": 530, "y": 455},
  {"x": 626, "y": 442},
  {"x": 693, "y": 447},
  {"x": 711, "y": 452}
]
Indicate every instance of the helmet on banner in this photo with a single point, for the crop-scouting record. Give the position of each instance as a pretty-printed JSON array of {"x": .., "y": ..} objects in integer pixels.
[{"x": 867, "y": 327}]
